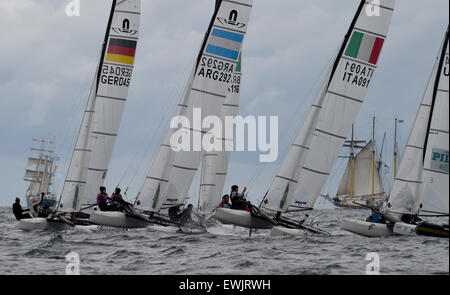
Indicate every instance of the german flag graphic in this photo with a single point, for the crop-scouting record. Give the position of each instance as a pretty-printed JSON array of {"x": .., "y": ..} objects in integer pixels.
[{"x": 121, "y": 51}]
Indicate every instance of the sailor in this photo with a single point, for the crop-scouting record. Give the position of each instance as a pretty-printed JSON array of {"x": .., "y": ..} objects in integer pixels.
[
  {"x": 410, "y": 218},
  {"x": 375, "y": 217},
  {"x": 173, "y": 213},
  {"x": 238, "y": 200},
  {"x": 117, "y": 200},
  {"x": 225, "y": 202},
  {"x": 18, "y": 211},
  {"x": 103, "y": 200},
  {"x": 185, "y": 215}
]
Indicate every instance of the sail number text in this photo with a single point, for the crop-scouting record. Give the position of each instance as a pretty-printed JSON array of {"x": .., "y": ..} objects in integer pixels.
[
  {"x": 357, "y": 74},
  {"x": 218, "y": 70},
  {"x": 116, "y": 75}
]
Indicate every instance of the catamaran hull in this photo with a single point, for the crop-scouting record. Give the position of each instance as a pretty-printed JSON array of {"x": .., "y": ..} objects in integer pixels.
[
  {"x": 432, "y": 230},
  {"x": 116, "y": 219},
  {"x": 39, "y": 223},
  {"x": 30, "y": 224},
  {"x": 241, "y": 218},
  {"x": 404, "y": 229},
  {"x": 367, "y": 229}
]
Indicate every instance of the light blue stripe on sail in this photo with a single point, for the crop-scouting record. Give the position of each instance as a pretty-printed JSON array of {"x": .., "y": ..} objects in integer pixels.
[
  {"x": 228, "y": 35},
  {"x": 224, "y": 52},
  {"x": 225, "y": 44}
]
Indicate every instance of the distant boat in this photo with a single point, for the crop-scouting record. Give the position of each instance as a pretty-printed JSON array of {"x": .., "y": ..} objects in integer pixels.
[
  {"x": 101, "y": 120},
  {"x": 361, "y": 181},
  {"x": 39, "y": 174},
  {"x": 307, "y": 165},
  {"x": 421, "y": 184}
]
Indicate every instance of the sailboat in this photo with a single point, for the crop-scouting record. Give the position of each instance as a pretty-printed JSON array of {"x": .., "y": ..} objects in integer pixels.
[
  {"x": 361, "y": 181},
  {"x": 172, "y": 172},
  {"x": 101, "y": 119},
  {"x": 39, "y": 175},
  {"x": 307, "y": 164},
  {"x": 421, "y": 183}
]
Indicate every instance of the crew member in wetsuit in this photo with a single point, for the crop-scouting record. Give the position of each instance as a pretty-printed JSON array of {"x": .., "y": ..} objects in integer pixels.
[
  {"x": 185, "y": 215},
  {"x": 225, "y": 202},
  {"x": 18, "y": 211},
  {"x": 103, "y": 200},
  {"x": 118, "y": 202},
  {"x": 238, "y": 201},
  {"x": 375, "y": 217},
  {"x": 410, "y": 219},
  {"x": 173, "y": 213}
]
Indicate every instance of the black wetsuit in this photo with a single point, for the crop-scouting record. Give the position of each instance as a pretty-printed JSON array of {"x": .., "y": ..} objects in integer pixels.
[
  {"x": 173, "y": 213},
  {"x": 184, "y": 216},
  {"x": 18, "y": 212},
  {"x": 238, "y": 201}
]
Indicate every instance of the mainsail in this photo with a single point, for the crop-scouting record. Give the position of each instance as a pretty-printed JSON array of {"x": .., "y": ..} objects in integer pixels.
[
  {"x": 103, "y": 112},
  {"x": 423, "y": 171},
  {"x": 172, "y": 172},
  {"x": 362, "y": 176},
  {"x": 321, "y": 137},
  {"x": 215, "y": 164}
]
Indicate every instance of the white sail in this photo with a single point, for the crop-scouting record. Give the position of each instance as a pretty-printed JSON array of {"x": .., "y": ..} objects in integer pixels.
[
  {"x": 287, "y": 178},
  {"x": 101, "y": 120},
  {"x": 172, "y": 173},
  {"x": 436, "y": 165},
  {"x": 215, "y": 163},
  {"x": 406, "y": 196},
  {"x": 343, "y": 93},
  {"x": 362, "y": 176}
]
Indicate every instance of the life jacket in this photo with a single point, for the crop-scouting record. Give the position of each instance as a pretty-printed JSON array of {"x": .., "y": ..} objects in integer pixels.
[
  {"x": 246, "y": 208},
  {"x": 117, "y": 199},
  {"x": 102, "y": 199}
]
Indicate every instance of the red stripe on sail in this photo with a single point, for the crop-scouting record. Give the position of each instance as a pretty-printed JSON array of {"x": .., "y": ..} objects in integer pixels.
[
  {"x": 121, "y": 50},
  {"x": 376, "y": 50}
]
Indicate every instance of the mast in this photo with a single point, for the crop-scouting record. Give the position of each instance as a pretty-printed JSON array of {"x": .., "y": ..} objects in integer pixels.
[
  {"x": 373, "y": 156},
  {"x": 352, "y": 158},
  {"x": 395, "y": 148}
]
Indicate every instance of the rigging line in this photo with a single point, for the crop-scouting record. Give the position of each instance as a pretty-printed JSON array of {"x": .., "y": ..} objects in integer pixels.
[{"x": 165, "y": 108}]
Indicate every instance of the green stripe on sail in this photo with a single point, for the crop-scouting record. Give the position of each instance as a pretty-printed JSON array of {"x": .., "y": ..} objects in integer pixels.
[
  {"x": 238, "y": 66},
  {"x": 354, "y": 44}
]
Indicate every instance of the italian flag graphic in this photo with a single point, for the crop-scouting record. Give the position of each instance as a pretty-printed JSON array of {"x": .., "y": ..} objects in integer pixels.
[{"x": 364, "y": 47}]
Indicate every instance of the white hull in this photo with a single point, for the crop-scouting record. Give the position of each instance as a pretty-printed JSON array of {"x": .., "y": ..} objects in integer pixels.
[
  {"x": 364, "y": 228},
  {"x": 116, "y": 219},
  {"x": 241, "y": 218},
  {"x": 38, "y": 223},
  {"x": 405, "y": 229},
  {"x": 30, "y": 224}
]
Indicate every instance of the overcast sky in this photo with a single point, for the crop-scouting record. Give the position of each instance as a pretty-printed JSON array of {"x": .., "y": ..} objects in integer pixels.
[{"x": 47, "y": 63}]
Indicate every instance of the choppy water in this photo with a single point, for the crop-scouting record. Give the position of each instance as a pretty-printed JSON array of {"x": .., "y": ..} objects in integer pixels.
[{"x": 221, "y": 251}]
